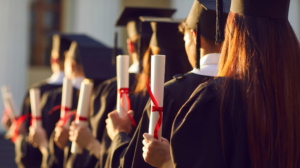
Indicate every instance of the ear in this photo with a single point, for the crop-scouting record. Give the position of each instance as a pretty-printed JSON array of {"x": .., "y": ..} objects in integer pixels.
[
  {"x": 194, "y": 34},
  {"x": 73, "y": 67},
  {"x": 130, "y": 46}
]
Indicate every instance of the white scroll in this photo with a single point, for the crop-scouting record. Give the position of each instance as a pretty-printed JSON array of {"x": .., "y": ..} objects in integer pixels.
[
  {"x": 123, "y": 83},
  {"x": 12, "y": 106},
  {"x": 35, "y": 107},
  {"x": 157, "y": 88},
  {"x": 66, "y": 102},
  {"x": 9, "y": 103},
  {"x": 83, "y": 109}
]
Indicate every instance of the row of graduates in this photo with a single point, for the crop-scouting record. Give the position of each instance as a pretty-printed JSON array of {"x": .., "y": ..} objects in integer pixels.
[{"x": 246, "y": 117}]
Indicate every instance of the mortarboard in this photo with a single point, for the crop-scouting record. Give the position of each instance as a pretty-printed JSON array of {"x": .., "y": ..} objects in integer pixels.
[
  {"x": 203, "y": 18},
  {"x": 272, "y": 9},
  {"x": 169, "y": 40},
  {"x": 95, "y": 57},
  {"x": 165, "y": 33},
  {"x": 129, "y": 17}
]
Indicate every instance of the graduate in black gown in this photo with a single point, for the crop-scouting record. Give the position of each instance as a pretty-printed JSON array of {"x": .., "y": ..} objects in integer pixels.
[
  {"x": 249, "y": 116},
  {"x": 85, "y": 60},
  {"x": 26, "y": 154},
  {"x": 105, "y": 96},
  {"x": 174, "y": 94}
]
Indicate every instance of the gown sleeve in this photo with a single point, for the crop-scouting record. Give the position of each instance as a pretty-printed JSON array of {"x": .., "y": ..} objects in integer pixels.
[{"x": 203, "y": 136}]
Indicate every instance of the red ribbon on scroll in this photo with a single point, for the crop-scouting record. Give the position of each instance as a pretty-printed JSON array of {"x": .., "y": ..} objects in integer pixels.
[
  {"x": 58, "y": 107},
  {"x": 126, "y": 92},
  {"x": 154, "y": 109}
]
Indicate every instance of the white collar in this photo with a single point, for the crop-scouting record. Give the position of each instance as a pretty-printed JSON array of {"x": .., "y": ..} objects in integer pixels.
[
  {"x": 76, "y": 82},
  {"x": 56, "y": 78},
  {"x": 208, "y": 65},
  {"x": 134, "y": 68}
]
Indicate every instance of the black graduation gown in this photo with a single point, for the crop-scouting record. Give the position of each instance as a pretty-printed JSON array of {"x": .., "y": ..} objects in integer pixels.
[
  {"x": 57, "y": 155},
  {"x": 43, "y": 86},
  {"x": 176, "y": 93},
  {"x": 103, "y": 102},
  {"x": 138, "y": 103},
  {"x": 197, "y": 139},
  {"x": 26, "y": 154}
]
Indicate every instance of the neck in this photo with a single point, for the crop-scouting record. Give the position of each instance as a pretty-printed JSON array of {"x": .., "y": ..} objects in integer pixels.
[
  {"x": 205, "y": 51},
  {"x": 134, "y": 57}
]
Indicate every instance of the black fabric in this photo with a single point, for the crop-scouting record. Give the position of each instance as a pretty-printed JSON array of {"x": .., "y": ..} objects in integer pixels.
[
  {"x": 204, "y": 11},
  {"x": 176, "y": 62},
  {"x": 132, "y": 13},
  {"x": 196, "y": 139},
  {"x": 43, "y": 86},
  {"x": 272, "y": 9},
  {"x": 94, "y": 56},
  {"x": 166, "y": 35},
  {"x": 57, "y": 155},
  {"x": 174, "y": 97},
  {"x": 26, "y": 154},
  {"x": 138, "y": 103},
  {"x": 103, "y": 101}
]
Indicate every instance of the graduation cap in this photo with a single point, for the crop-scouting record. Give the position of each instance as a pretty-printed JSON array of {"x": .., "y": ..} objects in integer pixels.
[
  {"x": 169, "y": 40},
  {"x": 272, "y": 9},
  {"x": 94, "y": 57},
  {"x": 203, "y": 19},
  {"x": 129, "y": 17},
  {"x": 165, "y": 33}
]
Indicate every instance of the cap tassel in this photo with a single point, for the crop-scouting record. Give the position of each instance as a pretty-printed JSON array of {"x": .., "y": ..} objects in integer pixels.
[
  {"x": 219, "y": 22},
  {"x": 198, "y": 46},
  {"x": 139, "y": 49},
  {"x": 115, "y": 50}
]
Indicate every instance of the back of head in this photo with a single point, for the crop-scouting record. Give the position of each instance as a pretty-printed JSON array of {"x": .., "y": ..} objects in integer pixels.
[
  {"x": 167, "y": 38},
  {"x": 261, "y": 54},
  {"x": 206, "y": 21}
]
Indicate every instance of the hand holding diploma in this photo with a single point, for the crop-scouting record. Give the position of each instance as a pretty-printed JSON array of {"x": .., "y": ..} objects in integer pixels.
[
  {"x": 37, "y": 134},
  {"x": 81, "y": 118},
  {"x": 123, "y": 102},
  {"x": 83, "y": 137},
  {"x": 156, "y": 94},
  {"x": 156, "y": 152},
  {"x": 61, "y": 136},
  {"x": 116, "y": 124}
]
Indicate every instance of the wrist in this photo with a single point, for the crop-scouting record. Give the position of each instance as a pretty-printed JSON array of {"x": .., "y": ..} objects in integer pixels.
[
  {"x": 168, "y": 164},
  {"x": 94, "y": 147}
]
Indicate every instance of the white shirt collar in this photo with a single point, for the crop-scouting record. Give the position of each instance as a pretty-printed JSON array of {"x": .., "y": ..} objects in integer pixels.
[
  {"x": 134, "y": 68},
  {"x": 208, "y": 65},
  {"x": 76, "y": 82},
  {"x": 56, "y": 78}
]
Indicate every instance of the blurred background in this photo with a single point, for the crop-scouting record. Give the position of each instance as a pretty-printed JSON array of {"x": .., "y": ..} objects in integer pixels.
[{"x": 25, "y": 25}]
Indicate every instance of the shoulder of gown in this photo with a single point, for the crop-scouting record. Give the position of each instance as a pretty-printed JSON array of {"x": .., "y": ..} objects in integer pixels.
[
  {"x": 176, "y": 93},
  {"x": 203, "y": 136}
]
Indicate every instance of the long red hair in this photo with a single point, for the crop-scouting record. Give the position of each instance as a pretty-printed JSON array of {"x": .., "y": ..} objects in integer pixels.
[{"x": 263, "y": 57}]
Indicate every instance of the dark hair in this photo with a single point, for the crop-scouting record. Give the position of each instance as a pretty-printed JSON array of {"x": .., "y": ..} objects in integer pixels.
[{"x": 262, "y": 56}]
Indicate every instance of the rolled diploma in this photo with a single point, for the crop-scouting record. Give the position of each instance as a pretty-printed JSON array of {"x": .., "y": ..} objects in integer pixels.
[
  {"x": 5, "y": 92},
  {"x": 67, "y": 92},
  {"x": 122, "y": 82},
  {"x": 83, "y": 109},
  {"x": 35, "y": 106},
  {"x": 157, "y": 88},
  {"x": 11, "y": 105}
]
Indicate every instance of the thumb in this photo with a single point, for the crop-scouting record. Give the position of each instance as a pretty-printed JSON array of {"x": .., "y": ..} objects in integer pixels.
[
  {"x": 148, "y": 137},
  {"x": 164, "y": 140},
  {"x": 130, "y": 112}
]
